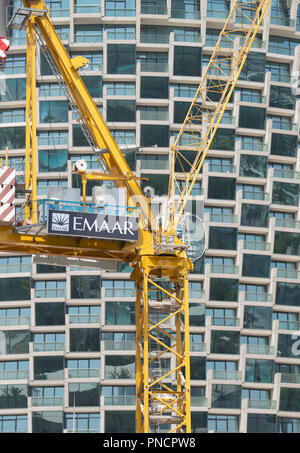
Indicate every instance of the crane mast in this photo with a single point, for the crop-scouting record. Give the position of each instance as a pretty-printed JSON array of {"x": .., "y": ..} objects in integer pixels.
[{"x": 160, "y": 267}]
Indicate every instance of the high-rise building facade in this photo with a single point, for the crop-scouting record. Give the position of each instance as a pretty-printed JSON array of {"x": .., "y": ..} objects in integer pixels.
[{"x": 67, "y": 339}]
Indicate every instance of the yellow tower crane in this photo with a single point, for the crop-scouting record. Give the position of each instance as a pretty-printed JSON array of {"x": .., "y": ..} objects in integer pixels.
[{"x": 161, "y": 254}]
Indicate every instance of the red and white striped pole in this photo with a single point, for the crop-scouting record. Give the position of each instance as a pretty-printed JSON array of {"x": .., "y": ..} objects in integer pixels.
[{"x": 7, "y": 195}]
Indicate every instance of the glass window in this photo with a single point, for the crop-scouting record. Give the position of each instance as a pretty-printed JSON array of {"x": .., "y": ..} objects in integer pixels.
[
  {"x": 255, "y": 215},
  {"x": 47, "y": 422},
  {"x": 287, "y": 294},
  {"x": 120, "y": 422},
  {"x": 225, "y": 289},
  {"x": 120, "y": 88},
  {"x": 13, "y": 396},
  {"x": 253, "y": 166},
  {"x": 257, "y": 317},
  {"x": 285, "y": 193},
  {"x": 125, "y": 8},
  {"x": 119, "y": 367},
  {"x": 87, "y": 340},
  {"x": 222, "y": 238},
  {"x": 13, "y": 424},
  {"x": 85, "y": 287},
  {"x": 254, "y": 67},
  {"x": 258, "y": 370},
  {"x": 256, "y": 266},
  {"x": 287, "y": 243},
  {"x": 82, "y": 423},
  {"x": 261, "y": 423},
  {"x": 13, "y": 89},
  {"x": 154, "y": 87},
  {"x": 281, "y": 97},
  {"x": 119, "y": 313},
  {"x": 121, "y": 59},
  {"x": 280, "y": 72},
  {"x": 92, "y": 33},
  {"x": 84, "y": 394},
  {"x": 54, "y": 160},
  {"x": 50, "y": 314},
  {"x": 225, "y": 342},
  {"x": 187, "y": 61},
  {"x": 252, "y": 117},
  {"x": 185, "y": 9},
  {"x": 120, "y": 110},
  {"x": 120, "y": 32},
  {"x": 154, "y": 135},
  {"x": 226, "y": 396},
  {"x": 221, "y": 188},
  {"x": 287, "y": 425},
  {"x": 49, "y": 367},
  {"x": 15, "y": 288},
  {"x": 223, "y": 423},
  {"x": 12, "y": 137},
  {"x": 93, "y": 85}
]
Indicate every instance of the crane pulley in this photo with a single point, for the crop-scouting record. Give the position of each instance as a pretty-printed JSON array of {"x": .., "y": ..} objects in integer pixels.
[{"x": 159, "y": 257}]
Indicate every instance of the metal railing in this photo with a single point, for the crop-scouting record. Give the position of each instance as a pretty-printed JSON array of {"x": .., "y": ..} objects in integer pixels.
[
  {"x": 84, "y": 319},
  {"x": 47, "y": 401},
  {"x": 227, "y": 375},
  {"x": 260, "y": 349},
  {"x": 83, "y": 373}
]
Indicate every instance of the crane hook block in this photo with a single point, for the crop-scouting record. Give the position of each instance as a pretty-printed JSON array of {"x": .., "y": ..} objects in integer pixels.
[{"x": 79, "y": 62}]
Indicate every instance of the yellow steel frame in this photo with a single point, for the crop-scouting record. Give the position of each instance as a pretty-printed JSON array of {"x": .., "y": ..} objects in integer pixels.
[
  {"x": 157, "y": 400},
  {"x": 161, "y": 280},
  {"x": 204, "y": 115},
  {"x": 31, "y": 139}
]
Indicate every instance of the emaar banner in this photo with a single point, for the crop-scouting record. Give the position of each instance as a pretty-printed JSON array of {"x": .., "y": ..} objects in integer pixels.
[{"x": 87, "y": 224}]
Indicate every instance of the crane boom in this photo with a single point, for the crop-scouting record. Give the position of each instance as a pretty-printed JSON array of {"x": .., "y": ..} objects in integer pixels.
[
  {"x": 206, "y": 110},
  {"x": 112, "y": 158}
]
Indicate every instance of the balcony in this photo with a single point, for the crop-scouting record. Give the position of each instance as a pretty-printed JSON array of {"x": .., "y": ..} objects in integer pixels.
[
  {"x": 227, "y": 375},
  {"x": 119, "y": 345},
  {"x": 197, "y": 347},
  {"x": 15, "y": 321},
  {"x": 84, "y": 373},
  {"x": 124, "y": 12},
  {"x": 288, "y": 273},
  {"x": 85, "y": 319},
  {"x": 287, "y": 223},
  {"x": 290, "y": 378},
  {"x": 14, "y": 375},
  {"x": 87, "y": 9},
  {"x": 154, "y": 9},
  {"x": 261, "y": 404},
  {"x": 286, "y": 174},
  {"x": 289, "y": 325},
  {"x": 258, "y": 297},
  {"x": 254, "y": 245},
  {"x": 122, "y": 400},
  {"x": 49, "y": 346},
  {"x": 154, "y": 67},
  {"x": 153, "y": 38},
  {"x": 222, "y": 218},
  {"x": 49, "y": 293},
  {"x": 225, "y": 321},
  {"x": 47, "y": 401},
  {"x": 182, "y": 14},
  {"x": 260, "y": 349},
  {"x": 221, "y": 168},
  {"x": 223, "y": 269},
  {"x": 200, "y": 401},
  {"x": 13, "y": 268}
]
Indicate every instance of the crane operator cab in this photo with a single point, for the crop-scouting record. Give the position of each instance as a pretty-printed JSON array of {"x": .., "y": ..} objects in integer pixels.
[{"x": 107, "y": 216}]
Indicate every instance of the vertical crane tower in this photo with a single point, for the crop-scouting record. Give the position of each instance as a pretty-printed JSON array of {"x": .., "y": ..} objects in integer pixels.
[{"x": 160, "y": 256}]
